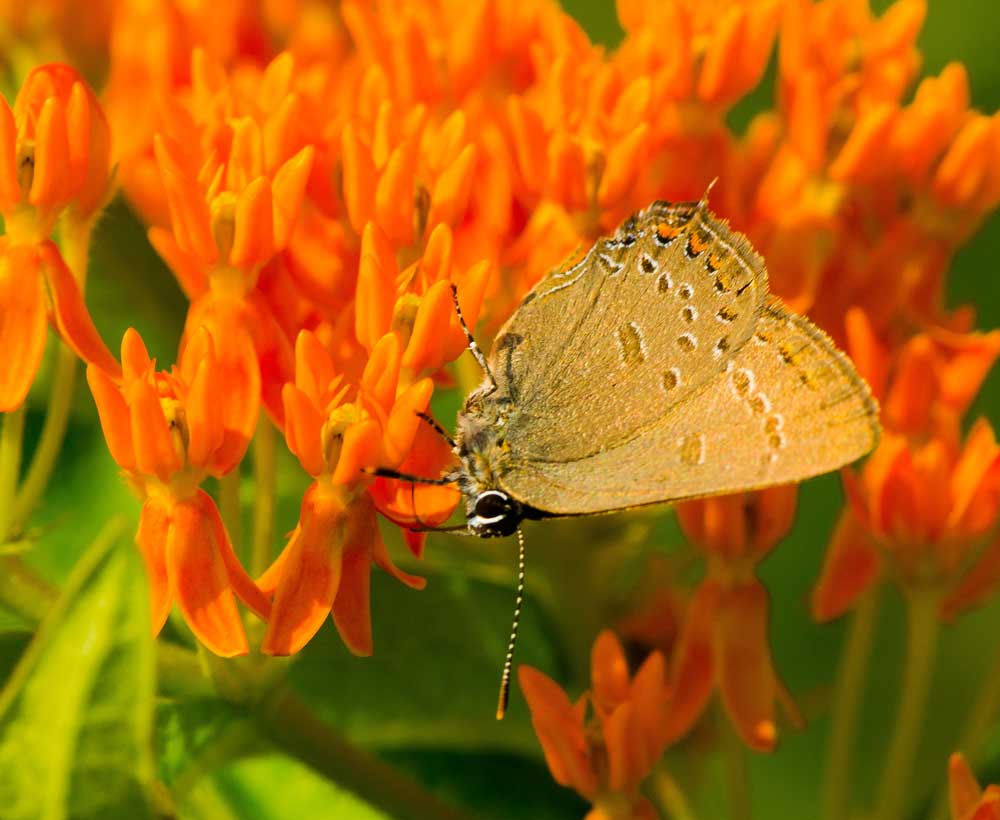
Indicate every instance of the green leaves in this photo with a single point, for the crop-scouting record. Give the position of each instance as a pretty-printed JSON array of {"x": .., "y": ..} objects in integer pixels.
[{"x": 76, "y": 714}]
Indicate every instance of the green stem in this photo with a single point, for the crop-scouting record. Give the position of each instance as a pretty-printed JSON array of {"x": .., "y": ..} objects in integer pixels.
[
  {"x": 922, "y": 633},
  {"x": 295, "y": 729},
  {"x": 846, "y": 700},
  {"x": 978, "y": 725},
  {"x": 75, "y": 246},
  {"x": 669, "y": 795},
  {"x": 23, "y": 591},
  {"x": 11, "y": 439},
  {"x": 43, "y": 460},
  {"x": 734, "y": 753},
  {"x": 265, "y": 494},
  {"x": 229, "y": 505}
]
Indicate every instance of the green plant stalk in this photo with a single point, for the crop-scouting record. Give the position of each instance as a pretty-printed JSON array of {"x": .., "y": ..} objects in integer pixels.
[
  {"x": 75, "y": 245},
  {"x": 669, "y": 795},
  {"x": 735, "y": 757},
  {"x": 11, "y": 440},
  {"x": 846, "y": 700},
  {"x": 294, "y": 728},
  {"x": 922, "y": 633},
  {"x": 978, "y": 725},
  {"x": 265, "y": 495}
]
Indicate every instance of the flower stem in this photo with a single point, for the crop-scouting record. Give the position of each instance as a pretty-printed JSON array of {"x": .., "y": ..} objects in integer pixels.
[
  {"x": 669, "y": 795},
  {"x": 847, "y": 698},
  {"x": 922, "y": 633},
  {"x": 734, "y": 753},
  {"x": 229, "y": 505},
  {"x": 296, "y": 730},
  {"x": 43, "y": 460},
  {"x": 978, "y": 725},
  {"x": 75, "y": 245},
  {"x": 265, "y": 489},
  {"x": 11, "y": 439}
]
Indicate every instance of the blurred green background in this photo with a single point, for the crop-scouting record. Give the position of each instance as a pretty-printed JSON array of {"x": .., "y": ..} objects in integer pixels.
[{"x": 425, "y": 701}]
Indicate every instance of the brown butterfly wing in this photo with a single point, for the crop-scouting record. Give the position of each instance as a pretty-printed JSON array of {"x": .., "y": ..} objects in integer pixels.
[
  {"x": 608, "y": 346},
  {"x": 787, "y": 406}
]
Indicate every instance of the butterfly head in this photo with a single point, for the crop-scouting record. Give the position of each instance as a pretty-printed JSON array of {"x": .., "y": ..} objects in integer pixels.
[{"x": 493, "y": 513}]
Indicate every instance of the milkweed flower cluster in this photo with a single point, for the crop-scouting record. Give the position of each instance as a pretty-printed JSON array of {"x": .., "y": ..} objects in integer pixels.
[{"x": 326, "y": 181}]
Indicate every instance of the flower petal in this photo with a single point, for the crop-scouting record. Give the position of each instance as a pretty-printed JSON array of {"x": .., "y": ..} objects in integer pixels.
[
  {"x": 151, "y": 538},
  {"x": 352, "y": 606},
  {"x": 116, "y": 423},
  {"x": 70, "y": 313},
  {"x": 199, "y": 582},
  {"x": 851, "y": 566},
  {"x": 693, "y": 673},
  {"x": 746, "y": 676},
  {"x": 310, "y": 575},
  {"x": 22, "y": 324}
]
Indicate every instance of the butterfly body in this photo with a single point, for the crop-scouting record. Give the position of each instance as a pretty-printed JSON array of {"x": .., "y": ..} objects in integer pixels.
[{"x": 655, "y": 368}]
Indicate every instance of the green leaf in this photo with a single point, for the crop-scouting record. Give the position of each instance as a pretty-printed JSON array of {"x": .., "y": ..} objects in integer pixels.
[{"x": 76, "y": 715}]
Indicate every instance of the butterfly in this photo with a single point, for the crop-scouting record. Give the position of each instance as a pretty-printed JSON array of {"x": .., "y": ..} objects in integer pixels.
[{"x": 656, "y": 368}]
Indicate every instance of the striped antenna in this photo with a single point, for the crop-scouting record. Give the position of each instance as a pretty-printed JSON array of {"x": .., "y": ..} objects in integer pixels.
[
  {"x": 508, "y": 661},
  {"x": 473, "y": 347}
]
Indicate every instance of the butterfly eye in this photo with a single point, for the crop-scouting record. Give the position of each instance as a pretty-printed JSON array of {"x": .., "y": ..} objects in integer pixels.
[{"x": 492, "y": 505}]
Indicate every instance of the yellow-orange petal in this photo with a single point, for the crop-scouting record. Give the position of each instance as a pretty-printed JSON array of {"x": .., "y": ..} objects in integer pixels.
[
  {"x": 472, "y": 288},
  {"x": 359, "y": 179},
  {"x": 862, "y": 155},
  {"x": 850, "y": 567},
  {"x": 198, "y": 581},
  {"x": 310, "y": 576},
  {"x": 189, "y": 213},
  {"x": 403, "y": 421},
  {"x": 394, "y": 196},
  {"x": 376, "y": 289},
  {"x": 70, "y": 315},
  {"x": 450, "y": 196},
  {"x": 963, "y": 789},
  {"x": 288, "y": 186},
  {"x": 254, "y": 234},
  {"x": 624, "y": 161},
  {"x": 313, "y": 367},
  {"x": 867, "y": 352},
  {"x": 693, "y": 664},
  {"x": 426, "y": 348},
  {"x": 559, "y": 727},
  {"x": 609, "y": 677},
  {"x": 352, "y": 606},
  {"x": 155, "y": 453},
  {"x": 381, "y": 373},
  {"x": 528, "y": 132},
  {"x": 116, "y": 422},
  {"x": 203, "y": 407},
  {"x": 303, "y": 428},
  {"x": 151, "y": 538},
  {"x": 10, "y": 191},
  {"x": 359, "y": 452},
  {"x": 239, "y": 581},
  {"x": 979, "y": 455},
  {"x": 136, "y": 363},
  {"x": 51, "y": 179},
  {"x": 746, "y": 676},
  {"x": 22, "y": 324}
]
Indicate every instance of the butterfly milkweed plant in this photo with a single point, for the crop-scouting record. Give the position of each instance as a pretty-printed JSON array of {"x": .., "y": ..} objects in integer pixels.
[{"x": 239, "y": 238}]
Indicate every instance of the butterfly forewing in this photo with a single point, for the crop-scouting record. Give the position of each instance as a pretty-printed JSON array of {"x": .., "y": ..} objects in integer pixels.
[
  {"x": 639, "y": 326},
  {"x": 786, "y": 407}
]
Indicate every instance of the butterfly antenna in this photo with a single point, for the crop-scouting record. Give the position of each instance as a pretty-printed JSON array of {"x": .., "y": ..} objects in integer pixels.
[
  {"x": 437, "y": 428},
  {"x": 476, "y": 352},
  {"x": 508, "y": 661}
]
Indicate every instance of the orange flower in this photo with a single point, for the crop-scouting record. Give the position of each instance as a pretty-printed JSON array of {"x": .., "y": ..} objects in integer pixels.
[
  {"x": 54, "y": 153},
  {"x": 723, "y": 641},
  {"x": 923, "y": 509},
  {"x": 968, "y": 800},
  {"x": 928, "y": 383},
  {"x": 604, "y": 752},
  {"x": 166, "y": 431},
  {"x": 324, "y": 569},
  {"x": 53, "y": 159}
]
